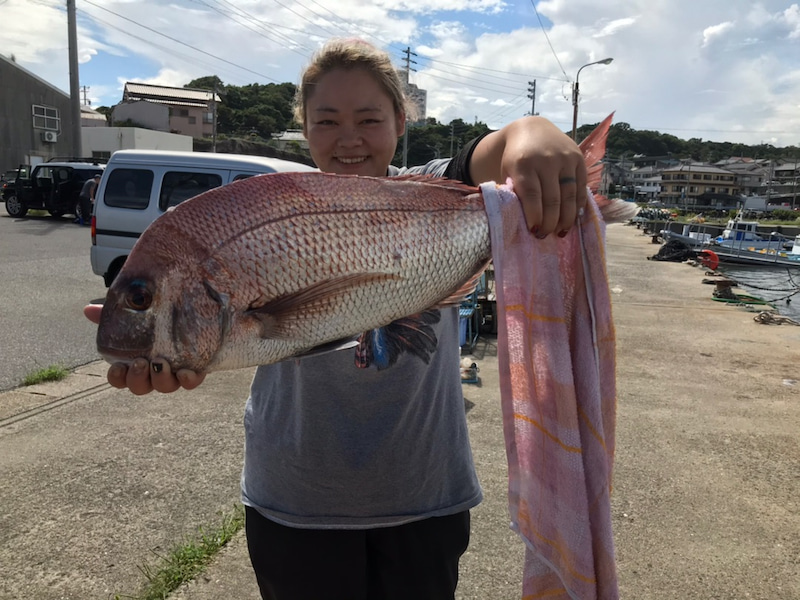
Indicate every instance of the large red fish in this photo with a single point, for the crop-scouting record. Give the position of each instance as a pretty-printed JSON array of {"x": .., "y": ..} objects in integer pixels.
[{"x": 273, "y": 266}]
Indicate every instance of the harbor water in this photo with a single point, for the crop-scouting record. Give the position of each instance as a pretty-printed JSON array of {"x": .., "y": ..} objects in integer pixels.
[{"x": 778, "y": 285}]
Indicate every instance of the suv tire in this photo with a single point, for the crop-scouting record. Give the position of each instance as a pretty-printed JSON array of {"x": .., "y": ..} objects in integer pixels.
[{"x": 15, "y": 207}]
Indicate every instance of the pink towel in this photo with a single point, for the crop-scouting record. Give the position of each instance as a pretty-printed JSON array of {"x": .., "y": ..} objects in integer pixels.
[{"x": 556, "y": 354}]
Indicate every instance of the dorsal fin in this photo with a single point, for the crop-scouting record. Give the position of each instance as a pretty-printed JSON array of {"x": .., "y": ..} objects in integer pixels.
[
  {"x": 444, "y": 182},
  {"x": 594, "y": 149}
]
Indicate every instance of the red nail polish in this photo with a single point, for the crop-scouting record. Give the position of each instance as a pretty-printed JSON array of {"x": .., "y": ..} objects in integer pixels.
[
  {"x": 535, "y": 229},
  {"x": 563, "y": 233}
]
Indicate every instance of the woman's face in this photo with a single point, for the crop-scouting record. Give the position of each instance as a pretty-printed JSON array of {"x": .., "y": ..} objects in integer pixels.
[{"x": 351, "y": 124}]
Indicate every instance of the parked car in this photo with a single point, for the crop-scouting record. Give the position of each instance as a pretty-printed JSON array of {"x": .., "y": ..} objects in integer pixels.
[
  {"x": 140, "y": 185},
  {"x": 8, "y": 178},
  {"x": 51, "y": 186}
]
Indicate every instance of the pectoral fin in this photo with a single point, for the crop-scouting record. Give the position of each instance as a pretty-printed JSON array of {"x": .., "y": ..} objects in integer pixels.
[
  {"x": 461, "y": 294},
  {"x": 279, "y": 317}
]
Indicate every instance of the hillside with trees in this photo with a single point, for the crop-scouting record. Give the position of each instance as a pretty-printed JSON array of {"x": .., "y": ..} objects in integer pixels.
[{"x": 252, "y": 113}]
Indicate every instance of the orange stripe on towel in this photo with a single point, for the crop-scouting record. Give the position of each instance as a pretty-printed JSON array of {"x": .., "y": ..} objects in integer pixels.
[{"x": 541, "y": 428}]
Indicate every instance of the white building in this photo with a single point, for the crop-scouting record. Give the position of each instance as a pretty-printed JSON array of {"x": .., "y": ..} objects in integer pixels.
[{"x": 102, "y": 142}]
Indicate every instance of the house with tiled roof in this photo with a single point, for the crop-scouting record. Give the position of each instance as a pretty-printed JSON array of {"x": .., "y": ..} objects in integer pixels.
[
  {"x": 186, "y": 111},
  {"x": 695, "y": 184},
  {"x": 751, "y": 175}
]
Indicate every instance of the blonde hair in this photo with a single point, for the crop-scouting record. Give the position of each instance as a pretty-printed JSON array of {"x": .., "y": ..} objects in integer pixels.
[{"x": 347, "y": 54}]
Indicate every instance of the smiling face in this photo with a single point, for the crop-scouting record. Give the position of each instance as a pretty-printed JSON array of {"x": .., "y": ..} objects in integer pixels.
[{"x": 351, "y": 124}]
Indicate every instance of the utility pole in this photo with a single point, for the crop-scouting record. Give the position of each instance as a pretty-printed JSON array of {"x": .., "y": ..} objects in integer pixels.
[
  {"x": 532, "y": 95},
  {"x": 214, "y": 119},
  {"x": 452, "y": 134},
  {"x": 74, "y": 79},
  {"x": 408, "y": 69},
  {"x": 84, "y": 91}
]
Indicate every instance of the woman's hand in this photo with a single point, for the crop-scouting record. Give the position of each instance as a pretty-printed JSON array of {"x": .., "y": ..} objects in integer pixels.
[
  {"x": 142, "y": 377},
  {"x": 546, "y": 167}
]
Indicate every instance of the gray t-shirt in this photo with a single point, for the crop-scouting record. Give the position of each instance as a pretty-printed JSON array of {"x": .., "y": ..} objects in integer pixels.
[{"x": 332, "y": 445}]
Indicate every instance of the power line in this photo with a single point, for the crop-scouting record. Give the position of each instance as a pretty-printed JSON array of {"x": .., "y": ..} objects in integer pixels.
[
  {"x": 281, "y": 39},
  {"x": 474, "y": 68},
  {"x": 180, "y": 42},
  {"x": 547, "y": 37},
  {"x": 153, "y": 44}
]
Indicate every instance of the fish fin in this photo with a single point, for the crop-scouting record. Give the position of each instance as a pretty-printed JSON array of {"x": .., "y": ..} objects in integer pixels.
[
  {"x": 594, "y": 149},
  {"x": 617, "y": 211},
  {"x": 382, "y": 347},
  {"x": 334, "y": 346},
  {"x": 464, "y": 291},
  {"x": 453, "y": 184},
  {"x": 278, "y": 317}
]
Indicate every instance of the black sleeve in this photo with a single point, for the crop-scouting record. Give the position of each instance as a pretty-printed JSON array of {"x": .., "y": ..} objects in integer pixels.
[{"x": 459, "y": 165}]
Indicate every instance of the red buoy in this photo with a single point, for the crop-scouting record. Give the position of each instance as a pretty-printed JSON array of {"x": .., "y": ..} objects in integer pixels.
[{"x": 709, "y": 259}]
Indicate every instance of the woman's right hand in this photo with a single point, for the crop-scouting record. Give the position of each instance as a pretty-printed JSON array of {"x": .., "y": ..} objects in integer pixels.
[{"x": 141, "y": 376}]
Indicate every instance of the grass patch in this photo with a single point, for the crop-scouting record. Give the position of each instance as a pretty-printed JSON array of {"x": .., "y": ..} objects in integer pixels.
[
  {"x": 188, "y": 560},
  {"x": 51, "y": 373}
]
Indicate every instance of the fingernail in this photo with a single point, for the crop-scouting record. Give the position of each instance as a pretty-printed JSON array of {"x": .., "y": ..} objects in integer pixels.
[
  {"x": 563, "y": 233},
  {"x": 535, "y": 229},
  {"x": 541, "y": 236},
  {"x": 157, "y": 367}
]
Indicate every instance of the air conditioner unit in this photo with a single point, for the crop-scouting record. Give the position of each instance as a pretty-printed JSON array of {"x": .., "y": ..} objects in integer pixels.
[{"x": 49, "y": 136}]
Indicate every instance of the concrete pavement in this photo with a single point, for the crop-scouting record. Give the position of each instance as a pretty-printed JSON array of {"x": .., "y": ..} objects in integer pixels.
[{"x": 97, "y": 482}]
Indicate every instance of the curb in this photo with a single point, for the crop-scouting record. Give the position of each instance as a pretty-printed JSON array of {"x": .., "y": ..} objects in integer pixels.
[{"x": 24, "y": 402}]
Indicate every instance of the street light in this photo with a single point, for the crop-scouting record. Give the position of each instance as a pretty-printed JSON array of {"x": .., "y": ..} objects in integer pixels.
[{"x": 605, "y": 61}]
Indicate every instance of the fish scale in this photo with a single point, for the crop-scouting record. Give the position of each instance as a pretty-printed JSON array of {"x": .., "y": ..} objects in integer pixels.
[{"x": 272, "y": 266}]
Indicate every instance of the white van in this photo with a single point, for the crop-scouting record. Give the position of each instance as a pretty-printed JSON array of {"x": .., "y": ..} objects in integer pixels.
[{"x": 139, "y": 185}]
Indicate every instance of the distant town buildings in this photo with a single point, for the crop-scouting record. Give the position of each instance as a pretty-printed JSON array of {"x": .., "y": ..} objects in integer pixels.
[
  {"x": 36, "y": 118},
  {"x": 184, "y": 111},
  {"x": 695, "y": 185}
]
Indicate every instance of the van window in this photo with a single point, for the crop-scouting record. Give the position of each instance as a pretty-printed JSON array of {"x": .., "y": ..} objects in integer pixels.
[
  {"x": 241, "y": 176},
  {"x": 178, "y": 186},
  {"x": 128, "y": 188}
]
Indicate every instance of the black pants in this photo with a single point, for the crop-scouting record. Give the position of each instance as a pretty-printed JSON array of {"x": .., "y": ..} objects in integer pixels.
[
  {"x": 416, "y": 561},
  {"x": 86, "y": 208}
]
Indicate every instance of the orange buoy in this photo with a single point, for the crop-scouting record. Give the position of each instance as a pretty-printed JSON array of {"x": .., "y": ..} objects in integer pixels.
[{"x": 709, "y": 259}]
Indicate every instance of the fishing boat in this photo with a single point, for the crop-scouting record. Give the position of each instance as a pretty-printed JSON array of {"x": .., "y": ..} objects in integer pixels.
[
  {"x": 755, "y": 258},
  {"x": 694, "y": 235},
  {"x": 743, "y": 235}
]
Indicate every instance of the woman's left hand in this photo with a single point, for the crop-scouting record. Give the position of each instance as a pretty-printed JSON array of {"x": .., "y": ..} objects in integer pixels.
[{"x": 546, "y": 167}]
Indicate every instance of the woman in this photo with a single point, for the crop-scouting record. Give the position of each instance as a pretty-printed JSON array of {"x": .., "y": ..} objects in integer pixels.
[{"x": 358, "y": 482}]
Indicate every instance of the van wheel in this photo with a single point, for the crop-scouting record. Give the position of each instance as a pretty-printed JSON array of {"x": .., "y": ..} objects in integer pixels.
[
  {"x": 56, "y": 213},
  {"x": 113, "y": 271},
  {"x": 16, "y": 207}
]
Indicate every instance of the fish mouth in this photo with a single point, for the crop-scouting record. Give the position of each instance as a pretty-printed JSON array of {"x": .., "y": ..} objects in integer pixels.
[{"x": 115, "y": 355}]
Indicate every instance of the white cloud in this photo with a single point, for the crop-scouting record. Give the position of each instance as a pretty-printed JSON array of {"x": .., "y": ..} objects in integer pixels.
[
  {"x": 715, "y": 32},
  {"x": 616, "y": 25},
  {"x": 717, "y": 69}
]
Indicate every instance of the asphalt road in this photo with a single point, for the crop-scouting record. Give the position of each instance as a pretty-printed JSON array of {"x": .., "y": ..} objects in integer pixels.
[{"x": 45, "y": 281}]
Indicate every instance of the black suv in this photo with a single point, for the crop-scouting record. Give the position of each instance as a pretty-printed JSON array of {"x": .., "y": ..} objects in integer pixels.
[{"x": 52, "y": 186}]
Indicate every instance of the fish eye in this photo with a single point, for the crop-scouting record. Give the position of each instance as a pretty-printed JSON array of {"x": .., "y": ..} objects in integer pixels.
[{"x": 138, "y": 296}]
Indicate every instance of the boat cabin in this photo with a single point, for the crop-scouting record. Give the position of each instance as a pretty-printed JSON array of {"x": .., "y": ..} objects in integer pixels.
[{"x": 737, "y": 229}]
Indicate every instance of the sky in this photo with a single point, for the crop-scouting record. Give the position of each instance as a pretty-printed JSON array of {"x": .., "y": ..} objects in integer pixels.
[{"x": 718, "y": 70}]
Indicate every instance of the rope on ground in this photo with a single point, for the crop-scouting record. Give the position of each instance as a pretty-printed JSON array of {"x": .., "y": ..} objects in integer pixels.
[
  {"x": 790, "y": 291},
  {"x": 771, "y": 318},
  {"x": 674, "y": 251}
]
